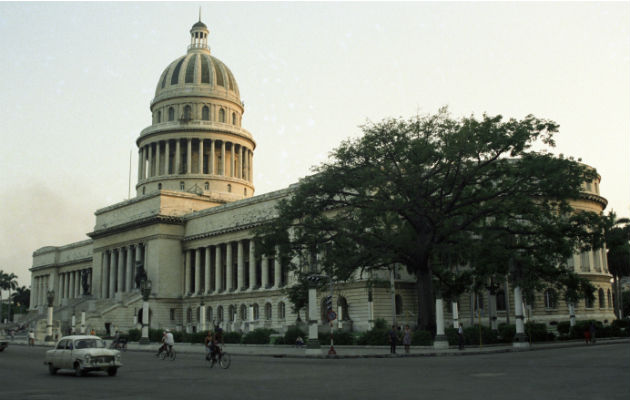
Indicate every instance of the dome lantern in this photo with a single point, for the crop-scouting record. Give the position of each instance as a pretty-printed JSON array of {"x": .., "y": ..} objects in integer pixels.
[{"x": 199, "y": 37}]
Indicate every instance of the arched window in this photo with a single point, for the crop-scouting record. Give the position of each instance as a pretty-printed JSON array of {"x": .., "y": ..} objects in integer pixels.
[
  {"x": 181, "y": 185},
  {"x": 187, "y": 116},
  {"x": 256, "y": 312},
  {"x": 399, "y": 304},
  {"x": 229, "y": 188},
  {"x": 245, "y": 191},
  {"x": 550, "y": 298},
  {"x": 220, "y": 313},
  {"x": 159, "y": 117},
  {"x": 268, "y": 311},
  {"x": 281, "y": 310},
  {"x": 205, "y": 113},
  {"x": 233, "y": 118},
  {"x": 221, "y": 115},
  {"x": 206, "y": 186},
  {"x": 209, "y": 316},
  {"x": 243, "y": 312},
  {"x": 231, "y": 312},
  {"x": 143, "y": 190},
  {"x": 500, "y": 300},
  {"x": 189, "y": 315},
  {"x": 602, "y": 300},
  {"x": 171, "y": 113}
]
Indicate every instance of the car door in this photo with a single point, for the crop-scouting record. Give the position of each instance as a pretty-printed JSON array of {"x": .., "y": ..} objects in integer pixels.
[
  {"x": 56, "y": 357},
  {"x": 66, "y": 358}
]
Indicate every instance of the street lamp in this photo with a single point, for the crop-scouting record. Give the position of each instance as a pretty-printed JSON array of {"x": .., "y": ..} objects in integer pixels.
[
  {"x": 145, "y": 289},
  {"x": 50, "y": 296}
]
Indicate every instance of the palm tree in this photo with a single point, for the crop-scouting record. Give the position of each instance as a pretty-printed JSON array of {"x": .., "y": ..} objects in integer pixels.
[
  {"x": 7, "y": 282},
  {"x": 21, "y": 297},
  {"x": 617, "y": 241}
]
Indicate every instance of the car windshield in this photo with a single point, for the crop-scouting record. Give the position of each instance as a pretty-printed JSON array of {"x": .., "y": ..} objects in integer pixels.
[{"x": 89, "y": 344}]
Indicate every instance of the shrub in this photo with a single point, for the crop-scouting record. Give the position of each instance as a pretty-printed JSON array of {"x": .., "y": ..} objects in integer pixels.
[
  {"x": 621, "y": 324},
  {"x": 537, "y": 332},
  {"x": 292, "y": 333},
  {"x": 340, "y": 338},
  {"x": 257, "y": 336},
  {"x": 134, "y": 335},
  {"x": 506, "y": 333},
  {"x": 577, "y": 332},
  {"x": 196, "y": 337},
  {"x": 452, "y": 336},
  {"x": 422, "y": 338},
  {"x": 232, "y": 337},
  {"x": 471, "y": 335},
  {"x": 376, "y": 336},
  {"x": 563, "y": 328}
]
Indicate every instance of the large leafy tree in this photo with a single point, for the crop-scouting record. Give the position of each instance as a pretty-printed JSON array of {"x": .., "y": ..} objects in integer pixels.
[
  {"x": 618, "y": 256},
  {"x": 415, "y": 191},
  {"x": 8, "y": 281}
]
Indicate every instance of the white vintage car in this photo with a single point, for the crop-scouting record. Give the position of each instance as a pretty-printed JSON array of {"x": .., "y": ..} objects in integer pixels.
[{"x": 82, "y": 354}]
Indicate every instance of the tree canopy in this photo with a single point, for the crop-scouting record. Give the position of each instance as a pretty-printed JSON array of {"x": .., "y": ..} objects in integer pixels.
[{"x": 433, "y": 192}]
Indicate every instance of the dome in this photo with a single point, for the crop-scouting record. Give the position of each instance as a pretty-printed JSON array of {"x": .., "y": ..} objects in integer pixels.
[{"x": 197, "y": 73}]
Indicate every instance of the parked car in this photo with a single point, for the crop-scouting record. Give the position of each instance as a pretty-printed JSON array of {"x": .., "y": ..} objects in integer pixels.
[{"x": 82, "y": 354}]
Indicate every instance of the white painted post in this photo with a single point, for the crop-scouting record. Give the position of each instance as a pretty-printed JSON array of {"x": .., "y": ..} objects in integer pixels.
[
  {"x": 83, "y": 322},
  {"x": 440, "y": 342},
  {"x": 520, "y": 340},
  {"x": 455, "y": 312},
  {"x": 312, "y": 346}
]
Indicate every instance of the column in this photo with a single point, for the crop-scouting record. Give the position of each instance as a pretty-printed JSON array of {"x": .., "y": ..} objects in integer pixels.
[
  {"x": 120, "y": 276},
  {"x": 104, "y": 277},
  {"x": 245, "y": 176},
  {"x": 265, "y": 272},
  {"x": 218, "y": 276},
  {"x": 178, "y": 156},
  {"x": 187, "y": 273},
  {"x": 222, "y": 167},
  {"x": 211, "y": 160},
  {"x": 202, "y": 317},
  {"x": 277, "y": 266},
  {"x": 138, "y": 257},
  {"x": 207, "y": 271},
  {"x": 157, "y": 158},
  {"x": 189, "y": 156},
  {"x": 128, "y": 268},
  {"x": 77, "y": 284},
  {"x": 228, "y": 267},
  {"x": 72, "y": 283},
  {"x": 240, "y": 265},
  {"x": 62, "y": 283},
  {"x": 140, "y": 156},
  {"x": 197, "y": 271},
  {"x": 167, "y": 157},
  {"x": 233, "y": 161},
  {"x": 150, "y": 172},
  {"x": 112, "y": 273},
  {"x": 251, "y": 166},
  {"x": 33, "y": 292},
  {"x": 240, "y": 163},
  {"x": 252, "y": 265},
  {"x": 201, "y": 156}
]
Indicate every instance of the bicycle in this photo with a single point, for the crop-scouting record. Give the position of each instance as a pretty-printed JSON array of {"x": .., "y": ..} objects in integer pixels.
[
  {"x": 222, "y": 357},
  {"x": 120, "y": 345},
  {"x": 168, "y": 353}
]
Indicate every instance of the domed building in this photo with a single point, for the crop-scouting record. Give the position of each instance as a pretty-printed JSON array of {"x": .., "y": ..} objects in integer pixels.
[{"x": 189, "y": 231}]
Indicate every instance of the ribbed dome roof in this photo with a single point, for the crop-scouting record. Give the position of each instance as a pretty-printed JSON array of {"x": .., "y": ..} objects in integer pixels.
[{"x": 197, "y": 72}]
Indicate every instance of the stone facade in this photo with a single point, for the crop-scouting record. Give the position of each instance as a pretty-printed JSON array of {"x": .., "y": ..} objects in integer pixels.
[{"x": 190, "y": 227}]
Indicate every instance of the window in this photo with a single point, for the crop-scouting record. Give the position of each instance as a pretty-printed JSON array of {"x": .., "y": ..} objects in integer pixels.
[
  {"x": 245, "y": 191},
  {"x": 159, "y": 186},
  {"x": 256, "y": 312},
  {"x": 221, "y": 115},
  {"x": 602, "y": 300},
  {"x": 229, "y": 188},
  {"x": 232, "y": 312},
  {"x": 172, "y": 314},
  {"x": 268, "y": 311},
  {"x": 209, "y": 315},
  {"x": 233, "y": 118},
  {"x": 187, "y": 116},
  {"x": 281, "y": 310},
  {"x": 220, "y": 313},
  {"x": 144, "y": 190},
  {"x": 171, "y": 113},
  {"x": 205, "y": 113},
  {"x": 206, "y": 186},
  {"x": 181, "y": 185},
  {"x": 399, "y": 304},
  {"x": 585, "y": 264},
  {"x": 588, "y": 186},
  {"x": 243, "y": 312},
  {"x": 550, "y": 299},
  {"x": 159, "y": 116},
  {"x": 500, "y": 300}
]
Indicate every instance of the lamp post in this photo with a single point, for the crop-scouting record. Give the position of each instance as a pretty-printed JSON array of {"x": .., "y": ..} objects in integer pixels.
[
  {"x": 50, "y": 296},
  {"x": 145, "y": 289}
]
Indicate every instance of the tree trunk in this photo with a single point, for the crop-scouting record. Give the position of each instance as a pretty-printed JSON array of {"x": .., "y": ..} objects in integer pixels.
[{"x": 426, "y": 309}]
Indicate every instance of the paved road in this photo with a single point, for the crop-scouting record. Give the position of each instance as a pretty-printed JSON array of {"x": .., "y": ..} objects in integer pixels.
[{"x": 593, "y": 372}]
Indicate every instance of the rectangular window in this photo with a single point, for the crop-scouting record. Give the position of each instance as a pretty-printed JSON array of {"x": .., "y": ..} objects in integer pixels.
[{"x": 172, "y": 314}]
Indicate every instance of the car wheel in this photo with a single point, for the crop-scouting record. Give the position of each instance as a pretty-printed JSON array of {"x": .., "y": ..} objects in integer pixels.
[
  {"x": 77, "y": 369},
  {"x": 112, "y": 371},
  {"x": 52, "y": 369}
]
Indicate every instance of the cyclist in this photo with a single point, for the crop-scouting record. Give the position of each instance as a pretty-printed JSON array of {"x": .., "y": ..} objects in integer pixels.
[
  {"x": 163, "y": 346},
  {"x": 170, "y": 341},
  {"x": 208, "y": 342}
]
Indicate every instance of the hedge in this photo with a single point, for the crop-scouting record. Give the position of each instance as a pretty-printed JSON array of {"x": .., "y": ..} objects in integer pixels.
[{"x": 257, "y": 336}]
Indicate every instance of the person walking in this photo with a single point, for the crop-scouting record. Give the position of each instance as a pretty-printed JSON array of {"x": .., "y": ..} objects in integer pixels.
[
  {"x": 393, "y": 338},
  {"x": 591, "y": 330},
  {"x": 460, "y": 337},
  {"x": 407, "y": 339},
  {"x": 31, "y": 338}
]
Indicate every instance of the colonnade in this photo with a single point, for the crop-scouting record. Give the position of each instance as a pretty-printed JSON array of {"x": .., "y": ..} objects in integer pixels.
[
  {"x": 195, "y": 156},
  {"x": 230, "y": 267},
  {"x": 39, "y": 288},
  {"x": 70, "y": 283},
  {"x": 119, "y": 269}
]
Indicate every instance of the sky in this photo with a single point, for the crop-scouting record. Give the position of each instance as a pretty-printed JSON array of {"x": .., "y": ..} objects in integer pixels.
[{"x": 78, "y": 78}]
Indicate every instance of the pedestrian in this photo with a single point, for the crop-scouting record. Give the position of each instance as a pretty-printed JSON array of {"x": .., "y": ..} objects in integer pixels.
[
  {"x": 93, "y": 332},
  {"x": 208, "y": 341},
  {"x": 460, "y": 337},
  {"x": 393, "y": 338},
  {"x": 31, "y": 338},
  {"x": 591, "y": 330},
  {"x": 407, "y": 339},
  {"x": 587, "y": 336}
]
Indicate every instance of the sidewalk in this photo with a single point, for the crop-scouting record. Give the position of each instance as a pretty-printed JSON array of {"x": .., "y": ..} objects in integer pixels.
[{"x": 268, "y": 350}]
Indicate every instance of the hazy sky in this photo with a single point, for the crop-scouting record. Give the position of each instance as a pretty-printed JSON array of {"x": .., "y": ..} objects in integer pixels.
[{"x": 77, "y": 80}]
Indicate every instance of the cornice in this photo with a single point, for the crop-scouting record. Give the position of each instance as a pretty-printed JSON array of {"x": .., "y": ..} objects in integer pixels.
[{"x": 150, "y": 220}]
